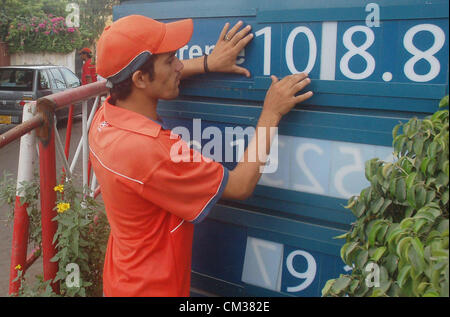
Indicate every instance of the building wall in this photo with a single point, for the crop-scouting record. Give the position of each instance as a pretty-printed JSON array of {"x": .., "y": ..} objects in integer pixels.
[{"x": 67, "y": 60}]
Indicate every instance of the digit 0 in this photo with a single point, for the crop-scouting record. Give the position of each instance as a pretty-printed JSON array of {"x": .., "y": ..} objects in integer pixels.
[{"x": 428, "y": 55}]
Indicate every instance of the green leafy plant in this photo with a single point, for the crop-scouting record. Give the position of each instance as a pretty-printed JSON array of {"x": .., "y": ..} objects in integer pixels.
[
  {"x": 80, "y": 239},
  {"x": 398, "y": 246}
]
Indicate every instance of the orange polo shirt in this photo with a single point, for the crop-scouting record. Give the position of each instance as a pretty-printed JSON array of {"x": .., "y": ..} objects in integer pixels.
[{"x": 151, "y": 202}]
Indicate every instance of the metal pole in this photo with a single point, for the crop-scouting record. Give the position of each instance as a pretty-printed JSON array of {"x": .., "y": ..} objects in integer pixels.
[
  {"x": 85, "y": 146},
  {"x": 21, "y": 221},
  {"x": 69, "y": 131},
  {"x": 47, "y": 169}
]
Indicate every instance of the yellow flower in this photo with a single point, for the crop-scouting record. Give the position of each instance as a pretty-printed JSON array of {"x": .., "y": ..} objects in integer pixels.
[
  {"x": 18, "y": 267},
  {"x": 59, "y": 188},
  {"x": 63, "y": 207}
]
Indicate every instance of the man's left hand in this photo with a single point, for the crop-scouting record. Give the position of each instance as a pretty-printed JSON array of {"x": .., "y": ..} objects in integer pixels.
[{"x": 230, "y": 43}]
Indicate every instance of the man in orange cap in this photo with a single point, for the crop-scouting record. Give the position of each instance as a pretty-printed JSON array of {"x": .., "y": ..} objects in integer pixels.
[
  {"x": 88, "y": 73},
  {"x": 152, "y": 200}
]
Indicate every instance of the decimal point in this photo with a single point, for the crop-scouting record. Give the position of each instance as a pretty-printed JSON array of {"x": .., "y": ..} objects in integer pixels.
[{"x": 387, "y": 76}]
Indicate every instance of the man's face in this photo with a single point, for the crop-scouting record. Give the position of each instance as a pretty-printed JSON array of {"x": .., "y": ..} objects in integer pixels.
[
  {"x": 84, "y": 56},
  {"x": 166, "y": 78}
]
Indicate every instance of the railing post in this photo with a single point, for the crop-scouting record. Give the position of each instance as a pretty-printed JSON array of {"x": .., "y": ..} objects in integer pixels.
[
  {"x": 47, "y": 169},
  {"x": 21, "y": 220}
]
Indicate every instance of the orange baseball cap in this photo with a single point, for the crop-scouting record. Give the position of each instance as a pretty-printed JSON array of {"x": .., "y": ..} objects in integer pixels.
[
  {"x": 129, "y": 42},
  {"x": 86, "y": 50}
]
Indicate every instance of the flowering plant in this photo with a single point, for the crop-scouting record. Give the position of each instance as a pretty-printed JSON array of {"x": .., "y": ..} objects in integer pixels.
[
  {"x": 80, "y": 239},
  {"x": 43, "y": 34}
]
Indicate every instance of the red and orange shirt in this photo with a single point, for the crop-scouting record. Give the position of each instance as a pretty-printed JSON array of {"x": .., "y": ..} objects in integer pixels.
[
  {"x": 151, "y": 203},
  {"x": 88, "y": 70}
]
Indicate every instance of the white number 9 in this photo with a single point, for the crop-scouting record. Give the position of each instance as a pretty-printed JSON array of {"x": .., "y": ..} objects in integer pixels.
[{"x": 308, "y": 275}]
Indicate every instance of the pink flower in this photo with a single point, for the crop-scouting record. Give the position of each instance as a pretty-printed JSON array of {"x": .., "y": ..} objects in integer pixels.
[
  {"x": 47, "y": 32},
  {"x": 70, "y": 30},
  {"x": 42, "y": 25},
  {"x": 54, "y": 20}
]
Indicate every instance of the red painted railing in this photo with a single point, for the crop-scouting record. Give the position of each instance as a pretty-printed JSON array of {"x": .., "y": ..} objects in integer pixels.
[{"x": 43, "y": 123}]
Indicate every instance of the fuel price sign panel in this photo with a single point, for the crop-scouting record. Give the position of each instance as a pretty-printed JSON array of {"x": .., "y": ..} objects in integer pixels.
[{"x": 372, "y": 64}]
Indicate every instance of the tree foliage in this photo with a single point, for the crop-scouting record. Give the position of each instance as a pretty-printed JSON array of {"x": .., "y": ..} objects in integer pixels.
[
  {"x": 398, "y": 245},
  {"x": 13, "y": 13}
]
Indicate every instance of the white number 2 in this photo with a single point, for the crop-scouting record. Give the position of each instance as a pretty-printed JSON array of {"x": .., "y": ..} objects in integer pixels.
[{"x": 314, "y": 186}]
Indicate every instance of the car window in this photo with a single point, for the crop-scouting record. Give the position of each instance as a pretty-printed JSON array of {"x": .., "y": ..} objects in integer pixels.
[
  {"x": 43, "y": 80},
  {"x": 71, "y": 79},
  {"x": 58, "y": 80},
  {"x": 16, "y": 79}
]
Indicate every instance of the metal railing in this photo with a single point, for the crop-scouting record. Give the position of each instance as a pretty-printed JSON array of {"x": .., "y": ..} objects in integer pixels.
[{"x": 39, "y": 122}]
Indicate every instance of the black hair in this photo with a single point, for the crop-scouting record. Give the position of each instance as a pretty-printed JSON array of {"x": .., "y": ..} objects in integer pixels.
[{"x": 122, "y": 90}]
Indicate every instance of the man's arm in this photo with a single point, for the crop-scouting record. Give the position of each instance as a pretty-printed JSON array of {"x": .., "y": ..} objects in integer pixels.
[
  {"x": 280, "y": 99},
  {"x": 223, "y": 57}
]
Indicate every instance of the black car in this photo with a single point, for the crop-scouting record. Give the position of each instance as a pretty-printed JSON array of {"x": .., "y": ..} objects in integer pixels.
[{"x": 21, "y": 83}]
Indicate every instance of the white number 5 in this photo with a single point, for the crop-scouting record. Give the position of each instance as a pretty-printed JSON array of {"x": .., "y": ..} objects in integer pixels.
[{"x": 358, "y": 166}]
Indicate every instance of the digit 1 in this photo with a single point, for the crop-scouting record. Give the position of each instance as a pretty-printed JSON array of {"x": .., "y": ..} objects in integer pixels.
[
  {"x": 267, "y": 32},
  {"x": 328, "y": 53}
]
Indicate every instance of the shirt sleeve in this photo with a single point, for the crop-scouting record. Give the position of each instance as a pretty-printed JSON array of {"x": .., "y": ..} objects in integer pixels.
[{"x": 187, "y": 189}]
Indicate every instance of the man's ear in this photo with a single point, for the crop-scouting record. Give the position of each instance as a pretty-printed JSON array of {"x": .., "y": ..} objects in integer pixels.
[{"x": 138, "y": 79}]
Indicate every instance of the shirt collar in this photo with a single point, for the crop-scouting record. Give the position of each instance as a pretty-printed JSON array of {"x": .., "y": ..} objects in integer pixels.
[{"x": 132, "y": 121}]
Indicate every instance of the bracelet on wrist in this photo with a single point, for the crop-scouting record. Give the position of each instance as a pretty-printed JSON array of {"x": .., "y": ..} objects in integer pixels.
[{"x": 205, "y": 63}]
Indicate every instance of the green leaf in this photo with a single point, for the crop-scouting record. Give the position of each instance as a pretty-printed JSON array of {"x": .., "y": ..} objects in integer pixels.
[
  {"x": 418, "y": 146},
  {"x": 348, "y": 251},
  {"x": 326, "y": 289},
  {"x": 444, "y": 102},
  {"x": 341, "y": 284},
  {"x": 400, "y": 192},
  {"x": 377, "y": 205},
  {"x": 362, "y": 258},
  {"x": 359, "y": 209},
  {"x": 417, "y": 261},
  {"x": 410, "y": 179},
  {"x": 378, "y": 253},
  {"x": 421, "y": 195},
  {"x": 424, "y": 165},
  {"x": 391, "y": 262},
  {"x": 342, "y": 236},
  {"x": 428, "y": 213},
  {"x": 395, "y": 131},
  {"x": 403, "y": 247},
  {"x": 419, "y": 224},
  {"x": 373, "y": 232},
  {"x": 411, "y": 196},
  {"x": 403, "y": 275}
]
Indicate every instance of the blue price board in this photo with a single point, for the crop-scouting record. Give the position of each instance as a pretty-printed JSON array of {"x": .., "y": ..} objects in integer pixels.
[{"x": 373, "y": 64}]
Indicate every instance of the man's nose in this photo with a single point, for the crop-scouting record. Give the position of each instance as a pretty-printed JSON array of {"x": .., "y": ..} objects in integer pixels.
[{"x": 179, "y": 66}]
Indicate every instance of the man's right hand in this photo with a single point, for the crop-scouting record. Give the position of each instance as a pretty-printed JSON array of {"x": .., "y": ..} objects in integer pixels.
[{"x": 281, "y": 96}]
